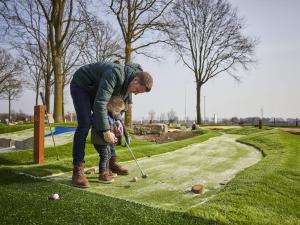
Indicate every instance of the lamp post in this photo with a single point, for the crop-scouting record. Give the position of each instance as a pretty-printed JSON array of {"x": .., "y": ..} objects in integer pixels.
[
  {"x": 185, "y": 103},
  {"x": 204, "y": 110}
]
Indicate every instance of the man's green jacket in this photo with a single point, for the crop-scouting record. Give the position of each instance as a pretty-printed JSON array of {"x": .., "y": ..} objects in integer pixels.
[{"x": 101, "y": 81}]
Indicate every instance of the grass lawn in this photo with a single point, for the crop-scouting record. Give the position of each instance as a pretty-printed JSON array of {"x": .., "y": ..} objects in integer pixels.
[
  {"x": 13, "y": 128},
  {"x": 265, "y": 193}
]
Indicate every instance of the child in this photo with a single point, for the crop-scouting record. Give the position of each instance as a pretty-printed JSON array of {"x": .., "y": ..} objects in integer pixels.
[{"x": 114, "y": 107}]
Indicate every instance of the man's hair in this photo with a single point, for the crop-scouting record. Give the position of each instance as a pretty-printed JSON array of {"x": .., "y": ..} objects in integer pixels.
[
  {"x": 116, "y": 103},
  {"x": 145, "y": 80}
]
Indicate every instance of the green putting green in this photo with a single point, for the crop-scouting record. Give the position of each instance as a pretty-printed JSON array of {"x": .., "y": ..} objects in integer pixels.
[{"x": 212, "y": 163}]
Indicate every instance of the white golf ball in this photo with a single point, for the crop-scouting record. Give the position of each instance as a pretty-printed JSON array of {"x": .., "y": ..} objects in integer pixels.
[
  {"x": 55, "y": 196},
  {"x": 134, "y": 179}
]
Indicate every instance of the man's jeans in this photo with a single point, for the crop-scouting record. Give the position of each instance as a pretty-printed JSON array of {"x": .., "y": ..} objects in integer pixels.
[{"x": 83, "y": 104}]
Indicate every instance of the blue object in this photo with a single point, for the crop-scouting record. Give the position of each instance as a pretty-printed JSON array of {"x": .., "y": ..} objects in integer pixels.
[{"x": 60, "y": 130}]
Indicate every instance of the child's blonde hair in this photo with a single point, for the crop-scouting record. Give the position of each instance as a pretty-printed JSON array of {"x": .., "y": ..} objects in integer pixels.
[{"x": 116, "y": 104}]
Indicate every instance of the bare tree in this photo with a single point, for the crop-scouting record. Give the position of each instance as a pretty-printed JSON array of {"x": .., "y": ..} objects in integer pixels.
[
  {"x": 139, "y": 20},
  {"x": 30, "y": 60},
  {"x": 172, "y": 117},
  {"x": 100, "y": 42},
  {"x": 209, "y": 40},
  {"x": 151, "y": 115},
  {"x": 4, "y": 15},
  {"x": 11, "y": 91},
  {"x": 72, "y": 52},
  {"x": 162, "y": 117},
  {"x": 9, "y": 67},
  {"x": 30, "y": 37},
  {"x": 58, "y": 15}
]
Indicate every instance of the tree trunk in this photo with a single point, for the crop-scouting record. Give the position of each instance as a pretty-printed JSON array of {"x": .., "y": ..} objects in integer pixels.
[
  {"x": 63, "y": 104},
  {"x": 58, "y": 87},
  {"x": 198, "y": 105},
  {"x": 9, "y": 109},
  {"x": 56, "y": 46},
  {"x": 128, "y": 114}
]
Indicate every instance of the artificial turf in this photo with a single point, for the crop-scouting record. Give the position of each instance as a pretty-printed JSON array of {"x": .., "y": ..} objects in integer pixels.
[
  {"x": 13, "y": 128},
  {"x": 171, "y": 175},
  {"x": 24, "y": 201},
  {"x": 266, "y": 193},
  {"x": 21, "y": 161}
]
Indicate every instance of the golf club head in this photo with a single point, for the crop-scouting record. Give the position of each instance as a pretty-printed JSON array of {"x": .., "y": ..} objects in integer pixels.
[{"x": 144, "y": 176}]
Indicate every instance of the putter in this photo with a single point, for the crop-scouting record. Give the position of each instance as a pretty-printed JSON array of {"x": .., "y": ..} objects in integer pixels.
[
  {"x": 144, "y": 175},
  {"x": 43, "y": 100}
]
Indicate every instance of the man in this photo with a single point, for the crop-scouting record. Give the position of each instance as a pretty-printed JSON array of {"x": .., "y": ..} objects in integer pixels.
[{"x": 91, "y": 88}]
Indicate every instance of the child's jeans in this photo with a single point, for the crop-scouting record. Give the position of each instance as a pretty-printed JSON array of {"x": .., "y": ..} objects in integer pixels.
[{"x": 105, "y": 155}]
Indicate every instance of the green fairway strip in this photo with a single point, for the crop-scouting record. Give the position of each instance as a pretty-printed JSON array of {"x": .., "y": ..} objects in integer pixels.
[
  {"x": 21, "y": 161},
  {"x": 172, "y": 175}
]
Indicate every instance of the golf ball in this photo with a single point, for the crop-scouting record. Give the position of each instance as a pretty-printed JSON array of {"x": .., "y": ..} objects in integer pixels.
[
  {"x": 55, "y": 196},
  {"x": 134, "y": 179}
]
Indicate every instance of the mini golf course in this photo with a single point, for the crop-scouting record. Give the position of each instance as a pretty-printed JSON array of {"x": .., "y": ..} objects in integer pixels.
[
  {"x": 212, "y": 163},
  {"x": 242, "y": 185},
  {"x": 24, "y": 139}
]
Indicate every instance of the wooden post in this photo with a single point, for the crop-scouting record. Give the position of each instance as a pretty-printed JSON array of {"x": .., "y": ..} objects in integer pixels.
[{"x": 39, "y": 116}]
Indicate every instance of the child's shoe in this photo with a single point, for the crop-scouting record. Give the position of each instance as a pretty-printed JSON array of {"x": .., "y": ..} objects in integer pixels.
[
  {"x": 112, "y": 174},
  {"x": 105, "y": 178}
]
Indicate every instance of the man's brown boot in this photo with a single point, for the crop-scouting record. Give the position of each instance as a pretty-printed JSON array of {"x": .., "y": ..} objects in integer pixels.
[
  {"x": 116, "y": 167},
  {"x": 78, "y": 178}
]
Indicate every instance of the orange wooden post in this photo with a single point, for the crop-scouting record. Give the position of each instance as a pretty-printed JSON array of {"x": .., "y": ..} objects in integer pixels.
[{"x": 39, "y": 116}]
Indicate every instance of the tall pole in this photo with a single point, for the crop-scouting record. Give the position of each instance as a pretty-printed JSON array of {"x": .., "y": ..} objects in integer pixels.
[
  {"x": 185, "y": 104},
  {"x": 204, "y": 110}
]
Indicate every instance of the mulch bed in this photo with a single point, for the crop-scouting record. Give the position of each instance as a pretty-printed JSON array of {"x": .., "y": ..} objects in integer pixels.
[
  {"x": 167, "y": 137},
  {"x": 292, "y": 130}
]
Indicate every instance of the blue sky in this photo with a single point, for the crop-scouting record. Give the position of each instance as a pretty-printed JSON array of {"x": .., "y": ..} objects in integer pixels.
[{"x": 272, "y": 84}]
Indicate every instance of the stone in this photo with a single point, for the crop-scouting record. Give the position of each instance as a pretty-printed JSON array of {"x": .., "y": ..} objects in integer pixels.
[
  {"x": 90, "y": 171},
  {"x": 25, "y": 144},
  {"x": 6, "y": 143},
  {"x": 198, "y": 188}
]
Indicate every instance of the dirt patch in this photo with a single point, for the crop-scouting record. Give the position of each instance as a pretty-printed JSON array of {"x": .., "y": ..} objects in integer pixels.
[
  {"x": 167, "y": 137},
  {"x": 292, "y": 130},
  {"x": 220, "y": 127}
]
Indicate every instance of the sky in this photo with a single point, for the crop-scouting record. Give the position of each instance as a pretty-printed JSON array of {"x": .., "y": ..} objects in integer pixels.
[{"x": 272, "y": 84}]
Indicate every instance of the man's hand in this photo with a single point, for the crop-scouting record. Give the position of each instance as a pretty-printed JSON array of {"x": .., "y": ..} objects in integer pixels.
[{"x": 109, "y": 137}]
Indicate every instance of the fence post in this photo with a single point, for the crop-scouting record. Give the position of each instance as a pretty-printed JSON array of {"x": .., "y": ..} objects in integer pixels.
[{"x": 39, "y": 116}]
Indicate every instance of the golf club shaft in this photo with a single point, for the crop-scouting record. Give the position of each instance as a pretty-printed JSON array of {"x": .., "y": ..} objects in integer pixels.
[
  {"x": 43, "y": 100},
  {"x": 128, "y": 147}
]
